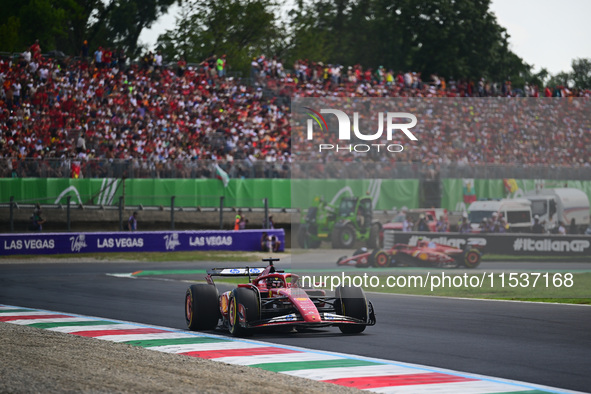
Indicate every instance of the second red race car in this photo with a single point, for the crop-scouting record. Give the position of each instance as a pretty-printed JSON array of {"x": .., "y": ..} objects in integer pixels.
[
  {"x": 274, "y": 298},
  {"x": 424, "y": 254}
]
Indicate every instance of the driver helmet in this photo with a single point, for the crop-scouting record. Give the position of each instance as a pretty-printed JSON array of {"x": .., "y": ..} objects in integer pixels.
[
  {"x": 361, "y": 250},
  {"x": 274, "y": 282}
]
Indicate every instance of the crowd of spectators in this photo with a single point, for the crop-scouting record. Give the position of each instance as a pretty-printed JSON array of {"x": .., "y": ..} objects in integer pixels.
[
  {"x": 153, "y": 116},
  {"x": 159, "y": 117}
]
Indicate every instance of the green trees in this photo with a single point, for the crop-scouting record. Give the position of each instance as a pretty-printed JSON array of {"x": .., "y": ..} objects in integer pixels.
[
  {"x": 237, "y": 28},
  {"x": 581, "y": 74},
  {"x": 451, "y": 38},
  {"x": 65, "y": 24},
  {"x": 22, "y": 22},
  {"x": 448, "y": 37}
]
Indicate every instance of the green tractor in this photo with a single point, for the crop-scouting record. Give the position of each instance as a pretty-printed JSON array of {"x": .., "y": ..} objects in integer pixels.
[{"x": 342, "y": 225}]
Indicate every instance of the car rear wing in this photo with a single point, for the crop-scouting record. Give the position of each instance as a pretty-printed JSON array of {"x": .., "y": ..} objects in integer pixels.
[
  {"x": 233, "y": 272},
  {"x": 247, "y": 271}
]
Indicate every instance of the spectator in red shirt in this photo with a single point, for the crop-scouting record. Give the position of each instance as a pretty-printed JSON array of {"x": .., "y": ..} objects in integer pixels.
[{"x": 35, "y": 50}]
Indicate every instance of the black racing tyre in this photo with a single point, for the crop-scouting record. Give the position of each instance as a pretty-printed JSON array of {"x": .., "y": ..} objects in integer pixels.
[
  {"x": 351, "y": 302},
  {"x": 244, "y": 305},
  {"x": 472, "y": 258},
  {"x": 202, "y": 307},
  {"x": 344, "y": 237},
  {"x": 380, "y": 259},
  {"x": 342, "y": 258}
]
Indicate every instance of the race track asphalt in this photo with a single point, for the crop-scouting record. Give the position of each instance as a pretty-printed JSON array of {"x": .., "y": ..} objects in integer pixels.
[{"x": 546, "y": 344}]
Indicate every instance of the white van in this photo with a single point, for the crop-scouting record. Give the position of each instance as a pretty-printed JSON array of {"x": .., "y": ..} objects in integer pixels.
[
  {"x": 516, "y": 211},
  {"x": 560, "y": 204}
]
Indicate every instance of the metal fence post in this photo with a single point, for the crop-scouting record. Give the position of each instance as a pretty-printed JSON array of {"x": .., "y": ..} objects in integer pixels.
[
  {"x": 12, "y": 214},
  {"x": 221, "y": 212},
  {"x": 120, "y": 213},
  {"x": 172, "y": 213},
  {"x": 266, "y": 219},
  {"x": 68, "y": 198}
]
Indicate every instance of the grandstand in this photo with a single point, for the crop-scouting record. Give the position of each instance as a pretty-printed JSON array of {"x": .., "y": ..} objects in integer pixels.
[{"x": 63, "y": 117}]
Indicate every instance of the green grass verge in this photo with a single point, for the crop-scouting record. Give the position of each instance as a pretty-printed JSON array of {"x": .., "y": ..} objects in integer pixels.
[
  {"x": 550, "y": 289},
  {"x": 546, "y": 289},
  {"x": 504, "y": 257}
]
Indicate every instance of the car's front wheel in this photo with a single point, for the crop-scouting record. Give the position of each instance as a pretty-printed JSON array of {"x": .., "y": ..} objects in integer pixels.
[
  {"x": 201, "y": 307},
  {"x": 244, "y": 308},
  {"x": 351, "y": 302}
]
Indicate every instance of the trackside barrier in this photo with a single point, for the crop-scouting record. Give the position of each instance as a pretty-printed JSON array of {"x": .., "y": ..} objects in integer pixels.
[
  {"x": 505, "y": 244},
  {"x": 158, "y": 241}
]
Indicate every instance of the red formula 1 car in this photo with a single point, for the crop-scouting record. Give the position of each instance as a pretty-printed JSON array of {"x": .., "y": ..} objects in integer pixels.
[
  {"x": 424, "y": 254},
  {"x": 274, "y": 299}
]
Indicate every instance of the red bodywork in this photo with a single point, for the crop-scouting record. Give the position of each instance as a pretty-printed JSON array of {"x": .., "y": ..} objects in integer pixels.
[
  {"x": 425, "y": 253},
  {"x": 282, "y": 302}
]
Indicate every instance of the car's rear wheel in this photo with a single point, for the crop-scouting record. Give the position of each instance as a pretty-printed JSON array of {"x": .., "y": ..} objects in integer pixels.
[
  {"x": 351, "y": 302},
  {"x": 472, "y": 258},
  {"x": 380, "y": 259},
  {"x": 202, "y": 307},
  {"x": 244, "y": 308}
]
